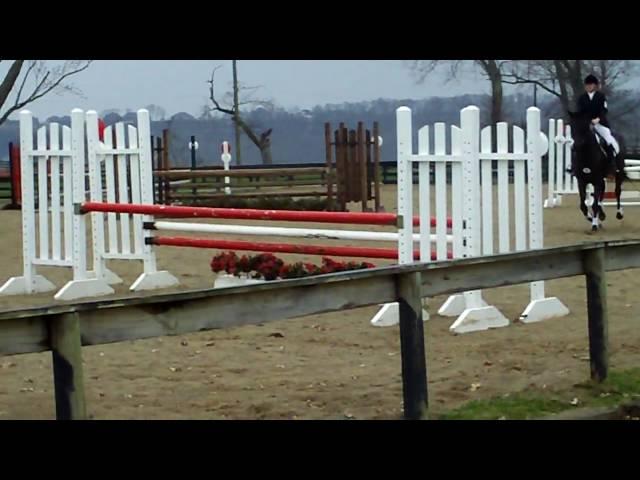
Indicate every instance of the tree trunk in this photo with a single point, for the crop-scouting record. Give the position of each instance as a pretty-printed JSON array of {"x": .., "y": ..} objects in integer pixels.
[
  {"x": 492, "y": 69},
  {"x": 10, "y": 80},
  {"x": 236, "y": 109},
  {"x": 265, "y": 153}
]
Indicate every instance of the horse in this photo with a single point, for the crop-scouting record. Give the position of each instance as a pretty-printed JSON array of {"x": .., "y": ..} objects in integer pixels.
[{"x": 592, "y": 166}]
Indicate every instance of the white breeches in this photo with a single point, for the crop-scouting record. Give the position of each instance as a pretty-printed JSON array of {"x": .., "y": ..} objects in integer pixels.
[{"x": 605, "y": 133}]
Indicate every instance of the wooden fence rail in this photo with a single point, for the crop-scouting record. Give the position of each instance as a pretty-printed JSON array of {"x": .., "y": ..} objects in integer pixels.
[{"x": 62, "y": 329}]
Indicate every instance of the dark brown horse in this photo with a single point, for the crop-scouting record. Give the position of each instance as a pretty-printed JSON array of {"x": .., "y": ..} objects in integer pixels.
[{"x": 593, "y": 167}]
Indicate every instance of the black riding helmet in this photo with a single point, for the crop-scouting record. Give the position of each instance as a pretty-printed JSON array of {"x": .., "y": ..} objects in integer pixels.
[{"x": 591, "y": 80}]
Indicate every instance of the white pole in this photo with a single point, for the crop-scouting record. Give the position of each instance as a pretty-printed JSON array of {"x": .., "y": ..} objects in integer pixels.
[{"x": 287, "y": 232}]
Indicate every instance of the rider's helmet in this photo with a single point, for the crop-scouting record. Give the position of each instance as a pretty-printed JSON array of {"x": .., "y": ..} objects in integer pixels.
[{"x": 591, "y": 80}]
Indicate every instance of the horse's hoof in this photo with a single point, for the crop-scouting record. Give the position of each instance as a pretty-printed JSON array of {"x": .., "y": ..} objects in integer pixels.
[
  {"x": 602, "y": 216},
  {"x": 619, "y": 216},
  {"x": 594, "y": 228}
]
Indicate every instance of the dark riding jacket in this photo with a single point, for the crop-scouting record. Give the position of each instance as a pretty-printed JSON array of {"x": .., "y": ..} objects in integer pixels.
[{"x": 595, "y": 107}]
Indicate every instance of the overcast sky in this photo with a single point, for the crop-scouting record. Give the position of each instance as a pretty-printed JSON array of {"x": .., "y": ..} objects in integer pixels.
[{"x": 181, "y": 85}]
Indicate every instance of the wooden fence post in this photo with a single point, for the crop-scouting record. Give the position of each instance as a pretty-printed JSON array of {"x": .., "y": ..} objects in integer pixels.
[
  {"x": 594, "y": 267},
  {"x": 329, "y": 163},
  {"x": 66, "y": 351},
  {"x": 376, "y": 166},
  {"x": 414, "y": 365}
]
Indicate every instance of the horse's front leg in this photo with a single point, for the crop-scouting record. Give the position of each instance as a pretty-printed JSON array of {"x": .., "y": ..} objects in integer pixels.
[
  {"x": 596, "y": 208},
  {"x": 601, "y": 214},
  {"x": 582, "y": 191},
  {"x": 619, "y": 180}
]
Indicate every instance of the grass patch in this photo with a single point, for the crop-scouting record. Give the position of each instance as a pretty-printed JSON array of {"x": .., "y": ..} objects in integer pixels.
[{"x": 619, "y": 388}]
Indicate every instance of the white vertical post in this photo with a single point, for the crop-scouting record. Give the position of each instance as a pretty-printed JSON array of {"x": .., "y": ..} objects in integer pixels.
[
  {"x": 424, "y": 195},
  {"x": 56, "y": 231},
  {"x": 95, "y": 189},
  {"x": 78, "y": 193},
  {"x": 67, "y": 186},
  {"x": 567, "y": 154},
  {"x": 486, "y": 179},
  {"x": 110, "y": 183},
  {"x": 470, "y": 126},
  {"x": 28, "y": 200},
  {"x": 136, "y": 197},
  {"x": 43, "y": 190},
  {"x": 534, "y": 161},
  {"x": 151, "y": 278},
  {"x": 146, "y": 180},
  {"x": 477, "y": 315},
  {"x": 560, "y": 164},
  {"x": 83, "y": 284},
  {"x": 519, "y": 193},
  {"x": 405, "y": 185},
  {"x": 551, "y": 186},
  {"x": 441, "y": 192},
  {"x": 30, "y": 281},
  {"x": 123, "y": 190},
  {"x": 539, "y": 308},
  {"x": 503, "y": 188},
  {"x": 456, "y": 193}
]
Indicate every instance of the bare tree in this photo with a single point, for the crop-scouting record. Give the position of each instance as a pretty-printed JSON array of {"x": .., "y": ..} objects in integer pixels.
[
  {"x": 491, "y": 69},
  {"x": 261, "y": 140},
  {"x": 38, "y": 79},
  {"x": 564, "y": 78}
]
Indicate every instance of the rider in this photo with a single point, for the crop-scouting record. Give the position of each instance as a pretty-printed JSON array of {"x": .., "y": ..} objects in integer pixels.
[{"x": 594, "y": 103}]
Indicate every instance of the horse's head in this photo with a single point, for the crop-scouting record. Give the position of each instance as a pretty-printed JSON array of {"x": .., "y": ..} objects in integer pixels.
[
  {"x": 580, "y": 129},
  {"x": 585, "y": 146}
]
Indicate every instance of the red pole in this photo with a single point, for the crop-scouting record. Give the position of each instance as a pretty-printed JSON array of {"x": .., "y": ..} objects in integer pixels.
[
  {"x": 364, "y": 252},
  {"x": 14, "y": 167},
  {"x": 354, "y": 218}
]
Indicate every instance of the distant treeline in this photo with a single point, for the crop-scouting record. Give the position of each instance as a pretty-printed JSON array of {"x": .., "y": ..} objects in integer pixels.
[{"x": 298, "y": 136}]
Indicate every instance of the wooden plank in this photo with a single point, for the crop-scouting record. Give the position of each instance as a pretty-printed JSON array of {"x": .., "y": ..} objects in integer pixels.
[
  {"x": 376, "y": 165},
  {"x": 353, "y": 179},
  {"x": 66, "y": 352},
  {"x": 126, "y": 319},
  {"x": 264, "y": 172},
  {"x": 329, "y": 164},
  {"x": 598, "y": 321},
  {"x": 414, "y": 367},
  {"x": 189, "y": 196},
  {"x": 361, "y": 148},
  {"x": 165, "y": 160},
  {"x": 130, "y": 318},
  {"x": 341, "y": 169},
  {"x": 282, "y": 183}
]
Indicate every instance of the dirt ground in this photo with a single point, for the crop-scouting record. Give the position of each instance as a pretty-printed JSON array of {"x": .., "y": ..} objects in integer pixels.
[{"x": 331, "y": 366}]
